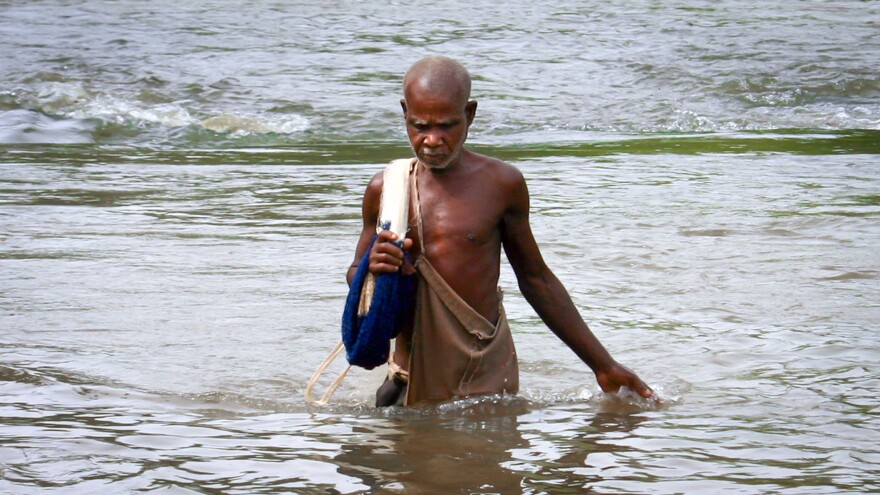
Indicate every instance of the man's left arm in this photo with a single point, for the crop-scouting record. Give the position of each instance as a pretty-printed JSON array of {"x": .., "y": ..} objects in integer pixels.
[{"x": 551, "y": 300}]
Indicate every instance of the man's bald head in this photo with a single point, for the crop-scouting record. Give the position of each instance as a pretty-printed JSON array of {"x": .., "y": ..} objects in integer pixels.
[
  {"x": 437, "y": 110},
  {"x": 438, "y": 75}
]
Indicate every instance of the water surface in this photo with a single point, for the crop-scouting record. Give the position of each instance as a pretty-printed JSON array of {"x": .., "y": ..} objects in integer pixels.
[{"x": 180, "y": 189}]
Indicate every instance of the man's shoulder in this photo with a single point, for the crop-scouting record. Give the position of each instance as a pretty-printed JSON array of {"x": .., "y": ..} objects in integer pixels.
[
  {"x": 499, "y": 170},
  {"x": 506, "y": 181},
  {"x": 374, "y": 187}
]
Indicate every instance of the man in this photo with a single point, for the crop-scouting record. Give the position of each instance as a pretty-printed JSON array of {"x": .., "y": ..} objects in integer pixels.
[{"x": 464, "y": 208}]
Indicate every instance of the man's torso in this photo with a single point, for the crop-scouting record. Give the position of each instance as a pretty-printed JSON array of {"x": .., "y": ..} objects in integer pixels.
[{"x": 462, "y": 214}]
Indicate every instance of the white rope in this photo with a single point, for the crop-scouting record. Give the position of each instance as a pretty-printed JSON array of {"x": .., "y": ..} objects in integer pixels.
[{"x": 325, "y": 399}]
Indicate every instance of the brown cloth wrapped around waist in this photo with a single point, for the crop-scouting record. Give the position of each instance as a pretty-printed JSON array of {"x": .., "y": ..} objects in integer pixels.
[{"x": 455, "y": 352}]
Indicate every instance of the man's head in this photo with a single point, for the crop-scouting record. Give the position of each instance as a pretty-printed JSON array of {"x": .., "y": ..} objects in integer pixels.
[{"x": 437, "y": 109}]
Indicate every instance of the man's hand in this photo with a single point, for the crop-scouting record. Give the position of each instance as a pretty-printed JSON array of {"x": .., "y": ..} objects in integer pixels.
[
  {"x": 616, "y": 376},
  {"x": 386, "y": 257}
]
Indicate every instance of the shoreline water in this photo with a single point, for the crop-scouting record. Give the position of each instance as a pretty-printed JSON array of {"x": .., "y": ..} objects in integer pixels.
[{"x": 792, "y": 141}]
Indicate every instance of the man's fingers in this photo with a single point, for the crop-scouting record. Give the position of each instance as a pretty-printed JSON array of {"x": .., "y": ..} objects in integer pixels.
[
  {"x": 384, "y": 268},
  {"x": 644, "y": 390},
  {"x": 386, "y": 236},
  {"x": 611, "y": 383},
  {"x": 385, "y": 258},
  {"x": 387, "y": 251}
]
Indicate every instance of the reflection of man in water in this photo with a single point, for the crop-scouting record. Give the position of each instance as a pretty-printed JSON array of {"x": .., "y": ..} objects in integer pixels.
[{"x": 465, "y": 207}]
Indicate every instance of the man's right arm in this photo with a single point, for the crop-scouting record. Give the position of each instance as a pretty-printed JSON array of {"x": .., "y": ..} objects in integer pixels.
[
  {"x": 385, "y": 256},
  {"x": 370, "y": 215}
]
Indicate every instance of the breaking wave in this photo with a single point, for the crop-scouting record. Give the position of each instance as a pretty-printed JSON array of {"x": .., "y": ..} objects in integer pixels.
[{"x": 69, "y": 113}]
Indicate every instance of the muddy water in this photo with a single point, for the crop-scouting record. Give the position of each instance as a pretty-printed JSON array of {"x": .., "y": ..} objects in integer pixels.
[
  {"x": 179, "y": 196},
  {"x": 160, "y": 323}
]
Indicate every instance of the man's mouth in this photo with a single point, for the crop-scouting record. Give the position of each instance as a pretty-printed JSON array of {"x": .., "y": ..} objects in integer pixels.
[{"x": 434, "y": 156}]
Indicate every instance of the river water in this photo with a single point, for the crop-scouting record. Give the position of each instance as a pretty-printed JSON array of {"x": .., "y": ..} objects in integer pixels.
[{"x": 180, "y": 187}]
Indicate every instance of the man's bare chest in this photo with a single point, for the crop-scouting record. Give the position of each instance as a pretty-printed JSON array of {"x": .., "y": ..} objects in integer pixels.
[{"x": 465, "y": 218}]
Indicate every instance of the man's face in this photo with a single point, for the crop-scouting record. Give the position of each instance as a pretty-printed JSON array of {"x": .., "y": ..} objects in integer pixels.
[{"x": 437, "y": 125}]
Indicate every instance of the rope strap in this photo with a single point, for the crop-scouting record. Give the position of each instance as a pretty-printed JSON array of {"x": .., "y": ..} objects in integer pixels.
[{"x": 325, "y": 399}]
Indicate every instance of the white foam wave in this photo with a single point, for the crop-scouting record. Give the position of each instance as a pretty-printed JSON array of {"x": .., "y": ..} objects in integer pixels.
[
  {"x": 73, "y": 100},
  {"x": 169, "y": 115},
  {"x": 26, "y": 126},
  {"x": 111, "y": 109},
  {"x": 239, "y": 125},
  {"x": 57, "y": 97},
  {"x": 857, "y": 117}
]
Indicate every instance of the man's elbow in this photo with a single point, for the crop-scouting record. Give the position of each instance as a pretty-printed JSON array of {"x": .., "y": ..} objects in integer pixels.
[
  {"x": 349, "y": 275},
  {"x": 535, "y": 287}
]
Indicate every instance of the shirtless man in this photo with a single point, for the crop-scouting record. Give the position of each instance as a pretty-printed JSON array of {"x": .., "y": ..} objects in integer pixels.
[{"x": 465, "y": 208}]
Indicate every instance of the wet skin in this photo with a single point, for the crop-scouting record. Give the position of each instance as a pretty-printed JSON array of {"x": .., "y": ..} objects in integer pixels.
[{"x": 473, "y": 206}]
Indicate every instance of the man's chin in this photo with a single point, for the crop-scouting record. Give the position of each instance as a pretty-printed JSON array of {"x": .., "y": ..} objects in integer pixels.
[{"x": 435, "y": 163}]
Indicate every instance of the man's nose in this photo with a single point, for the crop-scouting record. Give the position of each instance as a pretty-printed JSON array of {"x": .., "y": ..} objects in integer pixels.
[{"x": 433, "y": 139}]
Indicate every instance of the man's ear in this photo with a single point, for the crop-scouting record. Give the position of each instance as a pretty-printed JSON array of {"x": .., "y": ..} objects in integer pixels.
[
  {"x": 471, "y": 111},
  {"x": 403, "y": 105}
]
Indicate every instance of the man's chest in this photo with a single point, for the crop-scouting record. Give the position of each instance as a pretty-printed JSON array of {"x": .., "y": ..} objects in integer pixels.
[{"x": 466, "y": 216}]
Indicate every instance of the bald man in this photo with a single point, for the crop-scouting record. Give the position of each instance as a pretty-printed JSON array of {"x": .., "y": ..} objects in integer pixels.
[{"x": 464, "y": 208}]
